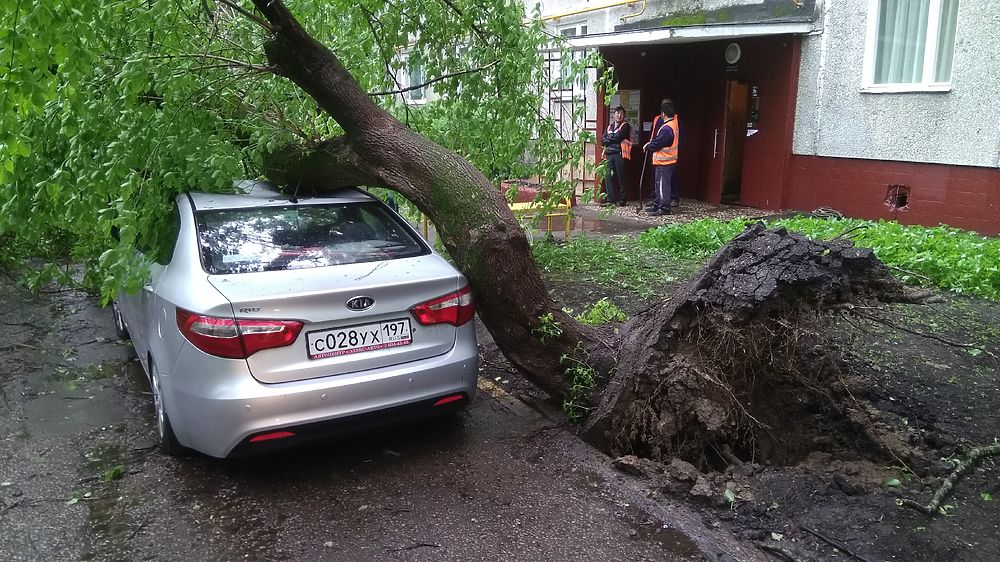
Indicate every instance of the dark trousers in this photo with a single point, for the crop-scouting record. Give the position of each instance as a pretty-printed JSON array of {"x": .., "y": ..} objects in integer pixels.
[
  {"x": 614, "y": 181},
  {"x": 664, "y": 190}
]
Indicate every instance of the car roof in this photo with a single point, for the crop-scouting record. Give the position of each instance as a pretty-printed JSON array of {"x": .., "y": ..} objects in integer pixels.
[{"x": 265, "y": 194}]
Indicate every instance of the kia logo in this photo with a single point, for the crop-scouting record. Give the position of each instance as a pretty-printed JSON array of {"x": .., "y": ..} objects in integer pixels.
[{"x": 360, "y": 303}]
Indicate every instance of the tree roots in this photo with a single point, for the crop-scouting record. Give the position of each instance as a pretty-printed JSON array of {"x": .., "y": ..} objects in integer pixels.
[{"x": 736, "y": 368}]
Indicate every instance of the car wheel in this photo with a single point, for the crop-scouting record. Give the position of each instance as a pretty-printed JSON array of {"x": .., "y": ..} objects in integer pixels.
[
  {"x": 164, "y": 432},
  {"x": 120, "y": 330}
]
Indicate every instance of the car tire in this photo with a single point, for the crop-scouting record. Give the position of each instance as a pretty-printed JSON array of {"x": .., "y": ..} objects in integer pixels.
[
  {"x": 120, "y": 330},
  {"x": 164, "y": 432}
]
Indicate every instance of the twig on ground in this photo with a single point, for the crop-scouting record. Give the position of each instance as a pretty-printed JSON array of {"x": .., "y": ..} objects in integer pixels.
[
  {"x": 834, "y": 544},
  {"x": 953, "y": 479},
  {"x": 138, "y": 528},
  {"x": 919, "y": 333},
  {"x": 414, "y": 547},
  {"x": 10, "y": 507},
  {"x": 542, "y": 430},
  {"x": 913, "y": 273},
  {"x": 780, "y": 551}
]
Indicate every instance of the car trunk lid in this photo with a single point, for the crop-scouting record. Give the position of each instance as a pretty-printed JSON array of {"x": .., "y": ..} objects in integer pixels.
[{"x": 336, "y": 339}]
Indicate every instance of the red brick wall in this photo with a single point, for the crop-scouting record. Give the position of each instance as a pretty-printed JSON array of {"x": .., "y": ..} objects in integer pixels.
[{"x": 960, "y": 196}]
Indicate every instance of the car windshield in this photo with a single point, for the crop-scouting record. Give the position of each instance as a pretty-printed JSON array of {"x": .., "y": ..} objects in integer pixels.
[{"x": 300, "y": 236}]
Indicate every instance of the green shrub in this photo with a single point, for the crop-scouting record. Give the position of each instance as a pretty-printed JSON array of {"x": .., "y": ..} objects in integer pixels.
[{"x": 602, "y": 312}]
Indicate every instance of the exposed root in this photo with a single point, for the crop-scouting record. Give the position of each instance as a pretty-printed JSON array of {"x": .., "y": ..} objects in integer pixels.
[
  {"x": 779, "y": 550},
  {"x": 737, "y": 366},
  {"x": 834, "y": 544},
  {"x": 953, "y": 479},
  {"x": 895, "y": 326}
]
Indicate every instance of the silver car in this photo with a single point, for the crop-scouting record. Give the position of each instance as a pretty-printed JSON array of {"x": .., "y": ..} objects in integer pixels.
[{"x": 276, "y": 320}]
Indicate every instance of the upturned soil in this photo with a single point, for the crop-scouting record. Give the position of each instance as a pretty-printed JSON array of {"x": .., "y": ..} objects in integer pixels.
[{"x": 925, "y": 376}]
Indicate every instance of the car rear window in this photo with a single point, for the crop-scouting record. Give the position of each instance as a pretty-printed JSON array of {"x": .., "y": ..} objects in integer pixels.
[{"x": 301, "y": 236}]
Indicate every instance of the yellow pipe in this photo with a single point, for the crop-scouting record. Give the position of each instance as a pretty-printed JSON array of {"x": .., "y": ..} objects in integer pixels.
[
  {"x": 591, "y": 9},
  {"x": 636, "y": 14}
]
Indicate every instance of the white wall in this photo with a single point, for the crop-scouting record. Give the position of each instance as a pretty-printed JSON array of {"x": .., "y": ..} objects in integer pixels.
[{"x": 961, "y": 127}]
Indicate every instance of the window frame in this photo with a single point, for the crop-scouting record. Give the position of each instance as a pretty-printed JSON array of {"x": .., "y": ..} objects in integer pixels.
[
  {"x": 930, "y": 54},
  {"x": 579, "y": 29}
]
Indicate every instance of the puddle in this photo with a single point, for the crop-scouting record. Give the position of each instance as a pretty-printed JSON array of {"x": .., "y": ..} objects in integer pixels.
[
  {"x": 73, "y": 376},
  {"x": 79, "y": 400},
  {"x": 675, "y": 544}
]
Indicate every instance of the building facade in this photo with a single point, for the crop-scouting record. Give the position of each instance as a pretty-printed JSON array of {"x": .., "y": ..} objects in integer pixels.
[{"x": 876, "y": 108}]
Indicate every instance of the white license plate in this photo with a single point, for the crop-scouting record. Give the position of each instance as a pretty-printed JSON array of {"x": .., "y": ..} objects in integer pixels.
[{"x": 356, "y": 339}]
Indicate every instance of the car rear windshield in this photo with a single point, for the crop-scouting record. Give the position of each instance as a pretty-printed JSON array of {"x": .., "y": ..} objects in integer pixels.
[{"x": 301, "y": 236}]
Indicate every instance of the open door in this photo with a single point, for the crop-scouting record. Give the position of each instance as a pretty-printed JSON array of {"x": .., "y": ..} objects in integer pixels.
[{"x": 734, "y": 134}]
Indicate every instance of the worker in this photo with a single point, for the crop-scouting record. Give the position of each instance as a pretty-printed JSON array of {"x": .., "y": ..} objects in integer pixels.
[
  {"x": 617, "y": 143},
  {"x": 664, "y": 148}
]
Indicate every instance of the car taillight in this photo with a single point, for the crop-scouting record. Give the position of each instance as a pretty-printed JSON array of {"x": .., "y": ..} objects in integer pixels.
[
  {"x": 235, "y": 339},
  {"x": 454, "y": 308}
]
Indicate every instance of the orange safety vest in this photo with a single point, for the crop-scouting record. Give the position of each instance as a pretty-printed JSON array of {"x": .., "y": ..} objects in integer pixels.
[
  {"x": 626, "y": 143},
  {"x": 667, "y": 155}
]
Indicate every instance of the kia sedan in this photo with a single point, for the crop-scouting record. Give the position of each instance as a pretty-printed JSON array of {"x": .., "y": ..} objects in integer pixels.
[{"x": 277, "y": 320}]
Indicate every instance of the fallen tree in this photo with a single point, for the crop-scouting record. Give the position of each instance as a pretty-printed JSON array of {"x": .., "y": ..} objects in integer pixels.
[{"x": 730, "y": 367}]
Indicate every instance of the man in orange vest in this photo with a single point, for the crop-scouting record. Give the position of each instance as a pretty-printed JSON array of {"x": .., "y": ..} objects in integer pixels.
[
  {"x": 617, "y": 142},
  {"x": 664, "y": 148}
]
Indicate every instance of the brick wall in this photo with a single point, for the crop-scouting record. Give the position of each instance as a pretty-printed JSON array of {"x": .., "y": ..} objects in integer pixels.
[{"x": 961, "y": 196}]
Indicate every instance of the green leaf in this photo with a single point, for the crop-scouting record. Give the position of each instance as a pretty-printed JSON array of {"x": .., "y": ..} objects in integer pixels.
[
  {"x": 893, "y": 483},
  {"x": 113, "y": 473},
  {"x": 730, "y": 495}
]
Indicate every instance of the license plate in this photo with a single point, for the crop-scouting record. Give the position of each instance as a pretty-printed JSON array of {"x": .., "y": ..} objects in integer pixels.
[{"x": 357, "y": 339}]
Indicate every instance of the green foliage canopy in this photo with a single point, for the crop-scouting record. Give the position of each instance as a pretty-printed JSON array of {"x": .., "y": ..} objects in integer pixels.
[{"x": 112, "y": 107}]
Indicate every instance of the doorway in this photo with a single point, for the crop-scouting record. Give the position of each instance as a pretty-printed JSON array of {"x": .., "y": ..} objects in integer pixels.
[{"x": 734, "y": 135}]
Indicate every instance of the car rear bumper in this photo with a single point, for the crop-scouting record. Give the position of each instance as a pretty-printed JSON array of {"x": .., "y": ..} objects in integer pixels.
[{"x": 216, "y": 406}]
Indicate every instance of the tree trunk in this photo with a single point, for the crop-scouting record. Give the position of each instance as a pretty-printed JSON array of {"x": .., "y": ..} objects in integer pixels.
[{"x": 470, "y": 214}]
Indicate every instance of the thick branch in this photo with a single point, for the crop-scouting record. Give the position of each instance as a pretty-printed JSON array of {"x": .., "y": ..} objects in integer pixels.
[
  {"x": 319, "y": 72},
  {"x": 252, "y": 17}
]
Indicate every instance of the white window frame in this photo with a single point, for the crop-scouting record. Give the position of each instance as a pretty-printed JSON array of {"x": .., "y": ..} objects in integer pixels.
[
  {"x": 930, "y": 52},
  {"x": 408, "y": 95},
  {"x": 579, "y": 29}
]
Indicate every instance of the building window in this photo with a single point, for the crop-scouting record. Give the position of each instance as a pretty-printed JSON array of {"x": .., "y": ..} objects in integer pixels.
[
  {"x": 910, "y": 44},
  {"x": 570, "y": 32},
  {"x": 416, "y": 76}
]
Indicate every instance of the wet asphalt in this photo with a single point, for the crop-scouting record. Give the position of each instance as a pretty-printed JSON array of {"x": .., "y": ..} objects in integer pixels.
[{"x": 81, "y": 479}]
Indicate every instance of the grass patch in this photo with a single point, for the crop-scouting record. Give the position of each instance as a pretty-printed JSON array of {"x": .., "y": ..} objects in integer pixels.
[
  {"x": 945, "y": 257},
  {"x": 620, "y": 262}
]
